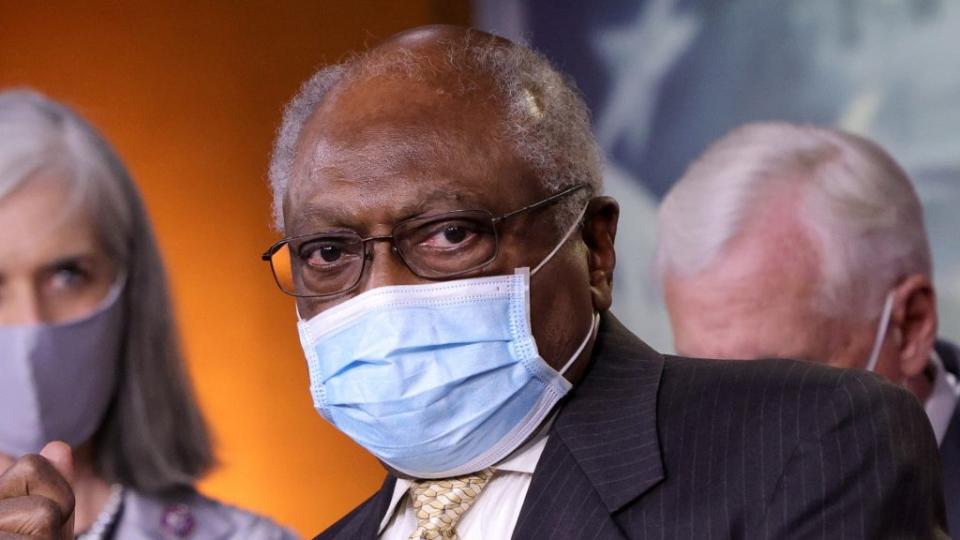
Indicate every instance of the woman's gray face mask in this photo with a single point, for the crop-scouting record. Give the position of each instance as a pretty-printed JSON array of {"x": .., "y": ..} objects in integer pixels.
[{"x": 57, "y": 380}]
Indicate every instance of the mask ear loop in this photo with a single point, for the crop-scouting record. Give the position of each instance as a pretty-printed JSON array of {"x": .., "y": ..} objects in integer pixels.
[
  {"x": 881, "y": 332},
  {"x": 563, "y": 240},
  {"x": 594, "y": 324},
  {"x": 596, "y": 316}
]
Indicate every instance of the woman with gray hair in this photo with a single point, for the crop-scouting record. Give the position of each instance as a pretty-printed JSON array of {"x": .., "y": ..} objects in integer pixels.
[{"x": 88, "y": 351}]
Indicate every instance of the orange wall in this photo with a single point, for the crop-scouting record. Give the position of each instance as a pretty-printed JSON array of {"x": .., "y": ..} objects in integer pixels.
[{"x": 190, "y": 94}]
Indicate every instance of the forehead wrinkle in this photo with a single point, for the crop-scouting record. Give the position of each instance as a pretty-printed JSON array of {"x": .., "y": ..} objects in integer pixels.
[
  {"x": 394, "y": 153},
  {"x": 371, "y": 134},
  {"x": 404, "y": 121},
  {"x": 374, "y": 166}
]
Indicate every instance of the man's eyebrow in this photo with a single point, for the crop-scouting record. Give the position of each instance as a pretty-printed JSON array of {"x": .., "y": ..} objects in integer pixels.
[
  {"x": 438, "y": 200},
  {"x": 322, "y": 214}
]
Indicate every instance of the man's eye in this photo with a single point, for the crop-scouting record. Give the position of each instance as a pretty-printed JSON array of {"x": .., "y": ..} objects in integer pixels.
[
  {"x": 450, "y": 235},
  {"x": 455, "y": 234},
  {"x": 329, "y": 253},
  {"x": 322, "y": 254}
]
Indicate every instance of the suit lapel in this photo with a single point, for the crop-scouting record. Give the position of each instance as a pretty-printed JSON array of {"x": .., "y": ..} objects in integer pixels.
[
  {"x": 603, "y": 450},
  {"x": 950, "y": 458},
  {"x": 950, "y": 446},
  {"x": 364, "y": 521},
  {"x": 376, "y": 507}
]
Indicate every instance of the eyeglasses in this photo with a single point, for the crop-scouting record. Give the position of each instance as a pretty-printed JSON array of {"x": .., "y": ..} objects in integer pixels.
[{"x": 440, "y": 246}]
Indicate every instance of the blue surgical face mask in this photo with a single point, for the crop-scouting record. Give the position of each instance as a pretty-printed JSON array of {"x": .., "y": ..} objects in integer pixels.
[{"x": 435, "y": 380}]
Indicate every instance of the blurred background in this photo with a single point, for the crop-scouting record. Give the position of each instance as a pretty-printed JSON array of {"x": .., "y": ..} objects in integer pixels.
[
  {"x": 190, "y": 94},
  {"x": 664, "y": 78}
]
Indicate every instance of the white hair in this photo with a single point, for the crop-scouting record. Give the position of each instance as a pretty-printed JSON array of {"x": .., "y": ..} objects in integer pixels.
[
  {"x": 855, "y": 200},
  {"x": 40, "y": 136},
  {"x": 544, "y": 117},
  {"x": 153, "y": 437}
]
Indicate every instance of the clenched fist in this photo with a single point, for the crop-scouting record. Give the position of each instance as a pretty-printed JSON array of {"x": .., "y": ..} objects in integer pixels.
[{"x": 36, "y": 501}]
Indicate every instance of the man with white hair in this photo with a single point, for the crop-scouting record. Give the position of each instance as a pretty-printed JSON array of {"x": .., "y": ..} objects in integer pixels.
[{"x": 804, "y": 242}]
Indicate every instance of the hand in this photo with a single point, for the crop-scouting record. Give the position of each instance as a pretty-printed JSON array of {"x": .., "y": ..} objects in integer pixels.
[{"x": 36, "y": 501}]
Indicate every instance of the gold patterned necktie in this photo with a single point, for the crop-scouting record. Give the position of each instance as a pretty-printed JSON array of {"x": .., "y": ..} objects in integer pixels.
[{"x": 439, "y": 504}]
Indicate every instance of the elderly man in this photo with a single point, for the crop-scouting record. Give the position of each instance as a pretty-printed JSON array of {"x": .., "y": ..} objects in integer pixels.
[
  {"x": 804, "y": 242},
  {"x": 452, "y": 257}
]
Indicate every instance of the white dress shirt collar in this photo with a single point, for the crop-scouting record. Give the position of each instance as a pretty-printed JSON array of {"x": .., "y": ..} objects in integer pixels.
[
  {"x": 522, "y": 460},
  {"x": 943, "y": 398}
]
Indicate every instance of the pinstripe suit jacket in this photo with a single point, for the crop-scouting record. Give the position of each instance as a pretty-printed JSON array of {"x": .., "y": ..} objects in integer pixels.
[{"x": 648, "y": 446}]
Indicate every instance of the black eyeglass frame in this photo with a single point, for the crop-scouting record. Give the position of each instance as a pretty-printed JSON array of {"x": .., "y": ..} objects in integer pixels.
[{"x": 365, "y": 241}]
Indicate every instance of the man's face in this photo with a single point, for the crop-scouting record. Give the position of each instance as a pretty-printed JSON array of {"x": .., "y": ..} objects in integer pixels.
[
  {"x": 758, "y": 299},
  {"x": 390, "y": 149}
]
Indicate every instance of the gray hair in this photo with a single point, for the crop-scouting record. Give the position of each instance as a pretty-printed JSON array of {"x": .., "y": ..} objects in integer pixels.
[
  {"x": 855, "y": 200},
  {"x": 153, "y": 437},
  {"x": 544, "y": 117}
]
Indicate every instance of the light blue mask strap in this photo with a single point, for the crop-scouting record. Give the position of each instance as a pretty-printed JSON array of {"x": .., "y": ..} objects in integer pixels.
[
  {"x": 593, "y": 330},
  {"x": 881, "y": 332},
  {"x": 563, "y": 240}
]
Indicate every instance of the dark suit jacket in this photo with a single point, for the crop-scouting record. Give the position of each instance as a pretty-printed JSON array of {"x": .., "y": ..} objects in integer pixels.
[
  {"x": 648, "y": 446},
  {"x": 950, "y": 446}
]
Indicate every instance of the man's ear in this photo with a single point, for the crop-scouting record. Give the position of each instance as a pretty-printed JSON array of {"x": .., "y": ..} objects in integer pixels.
[
  {"x": 599, "y": 233},
  {"x": 915, "y": 317}
]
